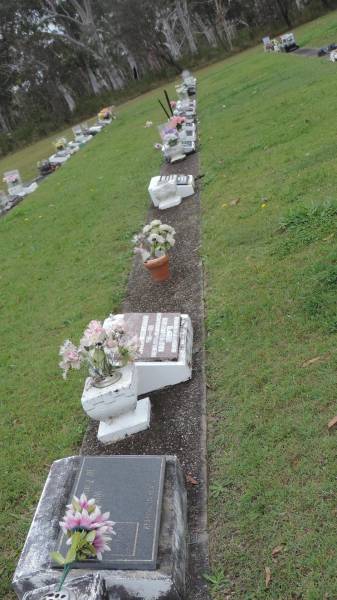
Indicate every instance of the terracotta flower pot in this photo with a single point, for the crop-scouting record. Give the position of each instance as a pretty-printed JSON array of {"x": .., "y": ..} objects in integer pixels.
[{"x": 159, "y": 268}]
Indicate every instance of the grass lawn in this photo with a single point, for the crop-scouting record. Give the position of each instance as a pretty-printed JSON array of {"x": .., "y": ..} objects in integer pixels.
[
  {"x": 65, "y": 257},
  {"x": 269, "y": 152}
]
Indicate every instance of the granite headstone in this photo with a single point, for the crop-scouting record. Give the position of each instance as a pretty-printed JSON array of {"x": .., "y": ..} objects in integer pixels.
[
  {"x": 158, "y": 334},
  {"x": 131, "y": 489}
]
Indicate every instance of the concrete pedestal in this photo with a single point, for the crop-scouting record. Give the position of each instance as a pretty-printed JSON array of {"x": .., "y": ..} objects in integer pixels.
[
  {"x": 180, "y": 190},
  {"x": 167, "y": 582},
  {"x": 116, "y": 407},
  {"x": 87, "y": 587},
  {"x": 134, "y": 421}
]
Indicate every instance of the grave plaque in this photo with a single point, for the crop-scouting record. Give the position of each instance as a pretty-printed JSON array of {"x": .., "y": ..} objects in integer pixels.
[
  {"x": 158, "y": 333},
  {"x": 131, "y": 489}
]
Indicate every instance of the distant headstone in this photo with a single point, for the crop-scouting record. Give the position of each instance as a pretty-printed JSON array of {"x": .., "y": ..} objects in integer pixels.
[
  {"x": 131, "y": 489},
  {"x": 87, "y": 587}
]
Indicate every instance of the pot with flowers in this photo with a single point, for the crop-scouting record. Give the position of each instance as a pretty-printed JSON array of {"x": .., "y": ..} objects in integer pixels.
[
  {"x": 173, "y": 148},
  {"x": 108, "y": 350},
  {"x": 153, "y": 243}
]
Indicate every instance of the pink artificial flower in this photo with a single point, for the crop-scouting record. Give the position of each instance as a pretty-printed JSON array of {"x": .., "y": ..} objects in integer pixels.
[
  {"x": 173, "y": 103},
  {"x": 100, "y": 543},
  {"x": 176, "y": 121},
  {"x": 85, "y": 514},
  {"x": 94, "y": 334},
  {"x": 71, "y": 358}
]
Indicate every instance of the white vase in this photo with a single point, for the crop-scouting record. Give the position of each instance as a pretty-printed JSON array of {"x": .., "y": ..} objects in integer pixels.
[{"x": 118, "y": 398}]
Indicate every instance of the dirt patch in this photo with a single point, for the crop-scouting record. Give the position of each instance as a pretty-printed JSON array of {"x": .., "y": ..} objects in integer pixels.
[{"x": 178, "y": 419}]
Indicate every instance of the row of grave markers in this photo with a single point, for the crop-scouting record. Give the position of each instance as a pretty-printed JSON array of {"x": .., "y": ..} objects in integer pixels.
[
  {"x": 145, "y": 495},
  {"x": 16, "y": 189}
]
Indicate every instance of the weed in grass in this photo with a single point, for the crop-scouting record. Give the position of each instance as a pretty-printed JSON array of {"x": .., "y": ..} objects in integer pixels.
[
  {"x": 304, "y": 225},
  {"x": 319, "y": 302},
  {"x": 217, "y": 580}
]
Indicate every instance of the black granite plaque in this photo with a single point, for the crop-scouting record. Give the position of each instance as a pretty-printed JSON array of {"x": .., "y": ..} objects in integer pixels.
[
  {"x": 158, "y": 333},
  {"x": 131, "y": 489}
]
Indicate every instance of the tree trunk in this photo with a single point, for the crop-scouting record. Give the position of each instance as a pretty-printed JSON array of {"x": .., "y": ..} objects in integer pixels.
[
  {"x": 185, "y": 22},
  {"x": 206, "y": 30},
  {"x": 68, "y": 97}
]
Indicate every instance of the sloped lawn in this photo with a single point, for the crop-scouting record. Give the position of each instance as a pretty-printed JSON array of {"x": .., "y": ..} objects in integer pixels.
[{"x": 269, "y": 152}]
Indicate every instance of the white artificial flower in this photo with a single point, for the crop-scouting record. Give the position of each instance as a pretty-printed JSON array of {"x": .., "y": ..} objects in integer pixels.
[
  {"x": 167, "y": 228},
  {"x": 155, "y": 223},
  {"x": 155, "y": 237},
  {"x": 170, "y": 239},
  {"x": 146, "y": 229}
]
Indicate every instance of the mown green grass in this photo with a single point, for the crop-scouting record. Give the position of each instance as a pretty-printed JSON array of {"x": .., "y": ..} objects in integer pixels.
[
  {"x": 65, "y": 258},
  {"x": 269, "y": 139}
]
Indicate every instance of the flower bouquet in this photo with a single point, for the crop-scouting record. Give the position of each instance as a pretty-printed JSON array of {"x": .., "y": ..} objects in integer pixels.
[
  {"x": 87, "y": 531},
  {"x": 177, "y": 122},
  {"x": 171, "y": 136},
  {"x": 153, "y": 243},
  {"x": 11, "y": 179},
  {"x": 172, "y": 148},
  {"x": 103, "y": 349},
  {"x": 61, "y": 144}
]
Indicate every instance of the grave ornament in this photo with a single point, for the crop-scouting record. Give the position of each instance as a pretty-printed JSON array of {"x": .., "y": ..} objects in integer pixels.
[
  {"x": 110, "y": 391},
  {"x": 167, "y": 191},
  {"x": 15, "y": 186},
  {"x": 81, "y": 137},
  {"x": 154, "y": 242}
]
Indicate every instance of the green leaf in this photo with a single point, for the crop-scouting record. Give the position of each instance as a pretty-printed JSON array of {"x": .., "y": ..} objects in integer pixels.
[
  {"x": 58, "y": 558},
  {"x": 91, "y": 536}
]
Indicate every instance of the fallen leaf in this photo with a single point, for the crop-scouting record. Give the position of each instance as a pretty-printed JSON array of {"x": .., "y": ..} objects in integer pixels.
[
  {"x": 312, "y": 361},
  {"x": 191, "y": 479},
  {"x": 326, "y": 239},
  {"x": 333, "y": 423},
  {"x": 277, "y": 551},
  {"x": 225, "y": 205},
  {"x": 234, "y": 202},
  {"x": 268, "y": 576},
  {"x": 264, "y": 205}
]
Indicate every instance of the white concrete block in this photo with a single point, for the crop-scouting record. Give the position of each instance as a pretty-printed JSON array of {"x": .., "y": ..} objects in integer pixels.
[
  {"x": 155, "y": 375},
  {"x": 111, "y": 401},
  {"x": 183, "y": 187},
  {"x": 127, "y": 424}
]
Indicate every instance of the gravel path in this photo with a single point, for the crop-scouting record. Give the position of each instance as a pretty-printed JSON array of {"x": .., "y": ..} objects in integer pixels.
[
  {"x": 306, "y": 52},
  {"x": 178, "y": 420}
]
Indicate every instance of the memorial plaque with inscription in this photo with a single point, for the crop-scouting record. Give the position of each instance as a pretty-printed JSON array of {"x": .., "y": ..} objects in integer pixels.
[
  {"x": 158, "y": 334},
  {"x": 131, "y": 489}
]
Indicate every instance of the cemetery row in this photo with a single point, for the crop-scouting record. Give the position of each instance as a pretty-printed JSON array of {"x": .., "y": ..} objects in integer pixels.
[
  {"x": 17, "y": 190},
  {"x": 116, "y": 526},
  {"x": 287, "y": 43}
]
